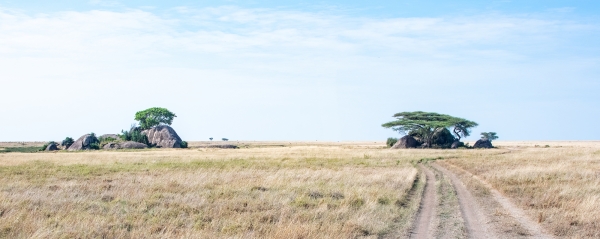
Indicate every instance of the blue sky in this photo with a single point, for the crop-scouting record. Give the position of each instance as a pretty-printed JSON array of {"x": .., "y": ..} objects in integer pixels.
[{"x": 289, "y": 70}]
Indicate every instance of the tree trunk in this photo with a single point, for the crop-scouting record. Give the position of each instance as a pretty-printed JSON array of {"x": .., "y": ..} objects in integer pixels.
[{"x": 457, "y": 132}]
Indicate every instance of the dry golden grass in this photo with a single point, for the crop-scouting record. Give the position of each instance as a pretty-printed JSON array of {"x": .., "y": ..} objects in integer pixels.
[
  {"x": 326, "y": 191},
  {"x": 280, "y": 189},
  {"x": 558, "y": 185}
]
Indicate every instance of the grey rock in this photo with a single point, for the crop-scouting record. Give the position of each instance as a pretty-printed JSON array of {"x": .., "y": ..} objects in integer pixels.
[
  {"x": 125, "y": 145},
  {"x": 163, "y": 136},
  {"x": 406, "y": 142},
  {"x": 83, "y": 143},
  {"x": 456, "y": 144},
  {"x": 483, "y": 143},
  {"x": 52, "y": 147}
]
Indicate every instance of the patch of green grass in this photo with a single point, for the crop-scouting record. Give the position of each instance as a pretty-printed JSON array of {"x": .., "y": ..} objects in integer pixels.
[{"x": 31, "y": 149}]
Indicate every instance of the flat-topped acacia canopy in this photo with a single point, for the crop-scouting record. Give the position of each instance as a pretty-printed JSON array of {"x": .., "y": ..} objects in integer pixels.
[{"x": 428, "y": 123}]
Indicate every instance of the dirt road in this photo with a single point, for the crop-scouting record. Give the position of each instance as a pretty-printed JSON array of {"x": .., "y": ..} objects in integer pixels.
[
  {"x": 449, "y": 209},
  {"x": 423, "y": 225}
]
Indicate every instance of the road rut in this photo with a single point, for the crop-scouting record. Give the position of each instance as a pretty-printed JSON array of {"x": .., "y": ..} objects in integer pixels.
[{"x": 439, "y": 217}]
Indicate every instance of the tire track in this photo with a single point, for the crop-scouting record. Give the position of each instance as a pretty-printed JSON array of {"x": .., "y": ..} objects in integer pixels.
[
  {"x": 423, "y": 224},
  {"x": 518, "y": 214},
  {"x": 475, "y": 220}
]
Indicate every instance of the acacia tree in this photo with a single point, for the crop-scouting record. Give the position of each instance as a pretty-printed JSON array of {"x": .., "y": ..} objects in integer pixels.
[
  {"x": 427, "y": 124},
  {"x": 155, "y": 116},
  {"x": 462, "y": 127},
  {"x": 489, "y": 136}
]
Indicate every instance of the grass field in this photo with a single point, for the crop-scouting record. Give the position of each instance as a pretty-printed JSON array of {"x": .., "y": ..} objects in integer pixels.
[
  {"x": 557, "y": 183},
  {"x": 261, "y": 191},
  {"x": 280, "y": 189}
]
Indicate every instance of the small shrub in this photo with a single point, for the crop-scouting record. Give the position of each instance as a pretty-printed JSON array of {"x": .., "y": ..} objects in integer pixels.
[
  {"x": 357, "y": 203},
  {"x": 225, "y": 139},
  {"x": 315, "y": 195},
  {"x": 384, "y": 201},
  {"x": 259, "y": 188},
  {"x": 337, "y": 195},
  {"x": 135, "y": 134},
  {"x": 391, "y": 141},
  {"x": 184, "y": 144},
  {"x": 95, "y": 145},
  {"x": 106, "y": 140}
]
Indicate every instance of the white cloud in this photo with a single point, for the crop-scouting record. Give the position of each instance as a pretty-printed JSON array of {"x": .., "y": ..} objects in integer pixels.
[
  {"x": 312, "y": 70},
  {"x": 230, "y": 29}
]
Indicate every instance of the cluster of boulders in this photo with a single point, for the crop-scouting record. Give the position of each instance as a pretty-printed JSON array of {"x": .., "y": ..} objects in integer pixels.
[
  {"x": 162, "y": 136},
  {"x": 408, "y": 141}
]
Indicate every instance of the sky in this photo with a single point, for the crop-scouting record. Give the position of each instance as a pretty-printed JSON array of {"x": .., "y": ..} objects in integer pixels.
[{"x": 299, "y": 70}]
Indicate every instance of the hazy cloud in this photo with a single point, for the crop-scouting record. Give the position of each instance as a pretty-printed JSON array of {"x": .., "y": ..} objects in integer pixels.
[{"x": 322, "y": 73}]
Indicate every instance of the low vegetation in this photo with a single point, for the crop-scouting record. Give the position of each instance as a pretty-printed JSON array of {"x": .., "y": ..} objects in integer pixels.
[
  {"x": 280, "y": 189},
  {"x": 391, "y": 141},
  {"x": 557, "y": 185},
  {"x": 274, "y": 192}
]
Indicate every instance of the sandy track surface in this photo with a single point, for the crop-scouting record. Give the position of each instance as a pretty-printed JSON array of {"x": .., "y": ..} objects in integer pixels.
[
  {"x": 423, "y": 226},
  {"x": 475, "y": 220},
  {"x": 518, "y": 214},
  {"x": 479, "y": 219}
]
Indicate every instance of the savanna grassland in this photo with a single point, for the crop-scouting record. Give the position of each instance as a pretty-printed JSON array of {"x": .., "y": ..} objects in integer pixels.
[
  {"x": 556, "y": 183},
  {"x": 271, "y": 191},
  {"x": 281, "y": 189}
]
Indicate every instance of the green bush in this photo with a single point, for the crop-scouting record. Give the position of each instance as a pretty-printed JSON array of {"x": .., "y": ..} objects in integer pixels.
[
  {"x": 135, "y": 134},
  {"x": 105, "y": 141},
  {"x": 184, "y": 144},
  {"x": 67, "y": 142},
  {"x": 391, "y": 141},
  {"x": 95, "y": 145}
]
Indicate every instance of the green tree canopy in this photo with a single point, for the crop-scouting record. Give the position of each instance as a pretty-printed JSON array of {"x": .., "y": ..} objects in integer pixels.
[
  {"x": 154, "y": 116},
  {"x": 489, "y": 135},
  {"x": 427, "y": 124},
  {"x": 462, "y": 127}
]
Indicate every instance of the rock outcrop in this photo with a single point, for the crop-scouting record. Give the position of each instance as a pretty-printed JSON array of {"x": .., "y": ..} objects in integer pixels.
[
  {"x": 52, "y": 147},
  {"x": 125, "y": 145},
  {"x": 406, "y": 142},
  {"x": 483, "y": 143},
  {"x": 83, "y": 143},
  {"x": 163, "y": 136},
  {"x": 456, "y": 144}
]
